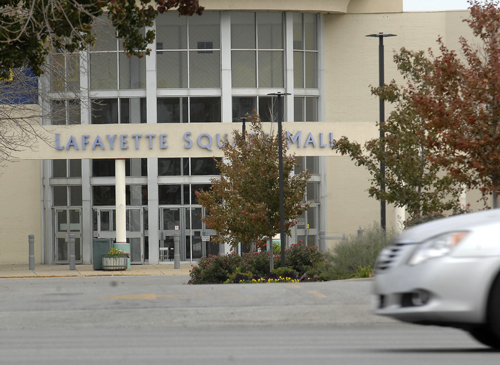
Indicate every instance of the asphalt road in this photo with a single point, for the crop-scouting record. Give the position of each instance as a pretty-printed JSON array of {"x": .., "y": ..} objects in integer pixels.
[{"x": 160, "y": 320}]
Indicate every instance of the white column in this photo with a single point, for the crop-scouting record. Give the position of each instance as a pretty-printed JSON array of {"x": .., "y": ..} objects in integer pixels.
[
  {"x": 226, "y": 78},
  {"x": 121, "y": 207},
  {"x": 151, "y": 112}
]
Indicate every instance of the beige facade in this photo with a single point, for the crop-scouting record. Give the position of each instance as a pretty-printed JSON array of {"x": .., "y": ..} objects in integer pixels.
[
  {"x": 349, "y": 74},
  {"x": 347, "y": 66}
]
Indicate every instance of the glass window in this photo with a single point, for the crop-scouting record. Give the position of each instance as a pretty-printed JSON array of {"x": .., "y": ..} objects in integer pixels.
[
  {"x": 179, "y": 68},
  {"x": 243, "y": 106},
  {"x": 110, "y": 67},
  {"x": 132, "y": 72},
  {"x": 257, "y": 44},
  {"x": 270, "y": 30},
  {"x": 133, "y": 167},
  {"x": 306, "y": 109},
  {"x": 204, "y": 166},
  {"x": 172, "y": 70},
  {"x": 194, "y": 189},
  {"x": 64, "y": 112},
  {"x": 205, "y": 30},
  {"x": 59, "y": 168},
  {"x": 75, "y": 193},
  {"x": 169, "y": 167},
  {"x": 305, "y": 45},
  {"x": 60, "y": 196},
  {"x": 169, "y": 194},
  {"x": 266, "y": 107},
  {"x": 105, "y": 195},
  {"x": 103, "y": 71},
  {"x": 172, "y": 110},
  {"x": 201, "y": 110},
  {"x": 171, "y": 31},
  {"x": 75, "y": 168},
  {"x": 65, "y": 72},
  {"x": 243, "y": 30},
  {"x": 204, "y": 68},
  {"x": 205, "y": 110},
  {"x": 110, "y": 111},
  {"x": 136, "y": 195},
  {"x": 271, "y": 69},
  {"x": 244, "y": 69},
  {"x": 308, "y": 163}
]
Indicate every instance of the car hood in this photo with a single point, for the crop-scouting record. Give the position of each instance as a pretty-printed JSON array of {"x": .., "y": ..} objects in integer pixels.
[{"x": 468, "y": 221}]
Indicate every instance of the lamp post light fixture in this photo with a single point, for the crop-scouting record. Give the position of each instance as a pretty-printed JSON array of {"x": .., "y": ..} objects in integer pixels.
[
  {"x": 381, "y": 37},
  {"x": 281, "y": 179}
]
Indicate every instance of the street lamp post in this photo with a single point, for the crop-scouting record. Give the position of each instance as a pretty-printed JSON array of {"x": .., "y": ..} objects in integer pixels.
[
  {"x": 281, "y": 179},
  {"x": 381, "y": 37}
]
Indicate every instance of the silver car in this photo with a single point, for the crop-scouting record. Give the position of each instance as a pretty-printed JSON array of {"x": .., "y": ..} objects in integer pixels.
[{"x": 446, "y": 273}]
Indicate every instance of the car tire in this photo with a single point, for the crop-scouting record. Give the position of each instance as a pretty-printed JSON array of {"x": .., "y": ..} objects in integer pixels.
[
  {"x": 491, "y": 334},
  {"x": 485, "y": 335}
]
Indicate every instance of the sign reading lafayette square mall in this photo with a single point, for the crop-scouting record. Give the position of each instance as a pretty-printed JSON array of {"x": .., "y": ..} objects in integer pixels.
[{"x": 166, "y": 140}]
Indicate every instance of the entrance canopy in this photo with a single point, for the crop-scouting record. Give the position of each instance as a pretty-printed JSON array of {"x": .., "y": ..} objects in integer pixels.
[{"x": 110, "y": 141}]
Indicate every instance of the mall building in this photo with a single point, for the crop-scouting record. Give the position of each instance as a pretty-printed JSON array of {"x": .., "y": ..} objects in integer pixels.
[{"x": 212, "y": 69}]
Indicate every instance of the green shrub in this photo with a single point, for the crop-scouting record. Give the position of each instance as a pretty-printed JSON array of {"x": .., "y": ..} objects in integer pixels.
[
  {"x": 256, "y": 262},
  {"x": 215, "y": 269},
  {"x": 276, "y": 248},
  {"x": 285, "y": 272},
  {"x": 355, "y": 257},
  {"x": 301, "y": 259}
]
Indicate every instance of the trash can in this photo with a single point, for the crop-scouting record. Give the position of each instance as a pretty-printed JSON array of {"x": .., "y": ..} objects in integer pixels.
[{"x": 101, "y": 247}]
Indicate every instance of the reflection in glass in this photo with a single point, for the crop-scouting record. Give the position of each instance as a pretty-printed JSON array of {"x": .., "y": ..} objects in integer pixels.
[
  {"x": 270, "y": 26},
  {"x": 132, "y": 72},
  {"x": 243, "y": 30},
  {"x": 271, "y": 69},
  {"x": 62, "y": 221},
  {"x": 172, "y": 69},
  {"x": 59, "y": 168},
  {"x": 204, "y": 166},
  {"x": 311, "y": 70},
  {"x": 204, "y": 69},
  {"x": 169, "y": 167},
  {"x": 171, "y": 31},
  {"x": 103, "y": 71},
  {"x": 205, "y": 110},
  {"x": 60, "y": 196},
  {"x": 243, "y": 69},
  {"x": 298, "y": 69},
  {"x": 243, "y": 106},
  {"x": 204, "y": 29},
  {"x": 75, "y": 196},
  {"x": 172, "y": 110},
  {"x": 74, "y": 220},
  {"x": 169, "y": 194},
  {"x": 105, "y": 111}
]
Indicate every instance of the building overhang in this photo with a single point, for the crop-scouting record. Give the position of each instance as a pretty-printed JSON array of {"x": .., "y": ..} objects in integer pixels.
[{"x": 309, "y": 6}]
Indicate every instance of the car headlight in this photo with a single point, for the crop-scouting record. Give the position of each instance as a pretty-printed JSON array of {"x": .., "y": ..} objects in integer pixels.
[{"x": 437, "y": 246}]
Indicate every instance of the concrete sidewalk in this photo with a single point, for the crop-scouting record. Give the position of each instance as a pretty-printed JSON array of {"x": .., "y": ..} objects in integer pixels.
[{"x": 45, "y": 271}]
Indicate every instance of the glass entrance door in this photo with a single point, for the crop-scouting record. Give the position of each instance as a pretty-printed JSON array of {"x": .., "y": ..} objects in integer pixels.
[
  {"x": 67, "y": 221},
  {"x": 194, "y": 235},
  {"x": 104, "y": 225},
  {"x": 307, "y": 227}
]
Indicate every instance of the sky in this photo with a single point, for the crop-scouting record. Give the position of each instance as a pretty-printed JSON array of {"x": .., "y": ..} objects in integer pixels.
[{"x": 433, "y": 5}]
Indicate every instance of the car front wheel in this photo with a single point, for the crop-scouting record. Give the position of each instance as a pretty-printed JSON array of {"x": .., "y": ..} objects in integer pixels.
[{"x": 485, "y": 335}]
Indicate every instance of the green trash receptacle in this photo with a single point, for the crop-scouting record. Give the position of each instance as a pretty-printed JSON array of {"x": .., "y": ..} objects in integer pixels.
[{"x": 101, "y": 247}]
